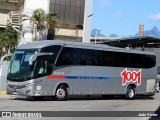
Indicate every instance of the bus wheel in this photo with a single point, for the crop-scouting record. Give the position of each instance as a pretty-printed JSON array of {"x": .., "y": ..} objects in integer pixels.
[
  {"x": 130, "y": 93},
  {"x": 61, "y": 93}
]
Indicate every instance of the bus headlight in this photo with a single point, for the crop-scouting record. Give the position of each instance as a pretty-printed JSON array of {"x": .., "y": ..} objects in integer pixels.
[{"x": 33, "y": 83}]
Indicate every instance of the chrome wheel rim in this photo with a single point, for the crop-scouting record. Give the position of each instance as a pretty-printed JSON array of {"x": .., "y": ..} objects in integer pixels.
[
  {"x": 60, "y": 93},
  {"x": 131, "y": 93}
]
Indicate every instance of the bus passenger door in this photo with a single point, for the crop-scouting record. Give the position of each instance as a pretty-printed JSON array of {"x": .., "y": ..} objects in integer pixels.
[{"x": 41, "y": 72}]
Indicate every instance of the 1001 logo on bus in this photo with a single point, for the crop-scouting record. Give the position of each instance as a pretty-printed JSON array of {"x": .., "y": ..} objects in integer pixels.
[{"x": 128, "y": 76}]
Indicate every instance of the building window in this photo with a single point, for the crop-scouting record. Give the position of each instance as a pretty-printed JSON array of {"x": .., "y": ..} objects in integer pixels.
[{"x": 69, "y": 11}]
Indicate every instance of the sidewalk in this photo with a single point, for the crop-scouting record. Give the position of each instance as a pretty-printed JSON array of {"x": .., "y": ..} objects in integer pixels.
[
  {"x": 3, "y": 92},
  {"x": 6, "y": 96}
]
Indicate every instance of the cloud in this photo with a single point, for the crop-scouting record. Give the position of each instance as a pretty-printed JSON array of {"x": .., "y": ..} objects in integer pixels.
[
  {"x": 105, "y": 3},
  {"x": 154, "y": 18},
  {"x": 120, "y": 16}
]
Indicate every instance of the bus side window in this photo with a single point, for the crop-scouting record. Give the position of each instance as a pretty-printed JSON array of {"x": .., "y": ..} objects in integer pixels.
[
  {"x": 107, "y": 58},
  {"x": 89, "y": 57},
  {"x": 149, "y": 61},
  {"x": 49, "y": 67},
  {"x": 41, "y": 67},
  {"x": 66, "y": 57},
  {"x": 94, "y": 60},
  {"x": 121, "y": 59}
]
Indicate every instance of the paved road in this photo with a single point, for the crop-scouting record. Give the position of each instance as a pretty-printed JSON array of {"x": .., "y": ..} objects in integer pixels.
[{"x": 85, "y": 103}]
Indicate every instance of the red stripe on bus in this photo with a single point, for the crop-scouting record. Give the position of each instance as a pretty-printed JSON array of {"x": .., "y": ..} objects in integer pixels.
[{"x": 56, "y": 77}]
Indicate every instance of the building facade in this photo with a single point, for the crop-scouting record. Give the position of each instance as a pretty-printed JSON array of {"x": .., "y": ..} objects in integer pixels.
[{"x": 73, "y": 20}]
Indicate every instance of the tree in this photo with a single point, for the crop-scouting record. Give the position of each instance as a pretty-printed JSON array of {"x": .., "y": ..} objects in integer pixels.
[
  {"x": 40, "y": 20},
  {"x": 8, "y": 40},
  {"x": 52, "y": 23}
]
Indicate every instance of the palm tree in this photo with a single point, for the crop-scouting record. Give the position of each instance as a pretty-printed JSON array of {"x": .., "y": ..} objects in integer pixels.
[
  {"x": 40, "y": 21},
  {"x": 52, "y": 23},
  {"x": 51, "y": 19}
]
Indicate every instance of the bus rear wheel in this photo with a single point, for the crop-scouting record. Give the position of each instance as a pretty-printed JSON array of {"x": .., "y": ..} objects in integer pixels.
[
  {"x": 61, "y": 93},
  {"x": 130, "y": 93}
]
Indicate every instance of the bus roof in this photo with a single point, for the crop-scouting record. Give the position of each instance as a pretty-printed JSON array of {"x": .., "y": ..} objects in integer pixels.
[
  {"x": 45, "y": 43},
  {"x": 39, "y": 44}
]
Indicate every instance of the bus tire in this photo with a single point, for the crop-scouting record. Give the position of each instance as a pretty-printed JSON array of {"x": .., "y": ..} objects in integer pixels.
[
  {"x": 61, "y": 93},
  {"x": 130, "y": 93}
]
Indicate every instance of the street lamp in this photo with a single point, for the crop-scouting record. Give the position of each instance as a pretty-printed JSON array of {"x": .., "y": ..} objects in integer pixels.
[
  {"x": 87, "y": 28},
  {"x": 90, "y": 15},
  {"x": 98, "y": 31}
]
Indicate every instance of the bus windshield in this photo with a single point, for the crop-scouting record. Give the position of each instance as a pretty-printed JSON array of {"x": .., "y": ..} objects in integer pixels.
[{"x": 20, "y": 69}]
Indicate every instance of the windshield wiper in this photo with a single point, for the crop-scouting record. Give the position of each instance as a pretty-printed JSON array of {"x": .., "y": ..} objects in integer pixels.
[
  {"x": 22, "y": 76},
  {"x": 10, "y": 76}
]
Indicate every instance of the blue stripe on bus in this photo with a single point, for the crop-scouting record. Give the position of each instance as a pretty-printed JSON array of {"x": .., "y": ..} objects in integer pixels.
[
  {"x": 78, "y": 77},
  {"x": 86, "y": 77}
]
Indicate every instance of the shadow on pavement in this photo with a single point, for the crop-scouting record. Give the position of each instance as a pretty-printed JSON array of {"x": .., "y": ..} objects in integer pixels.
[{"x": 84, "y": 97}]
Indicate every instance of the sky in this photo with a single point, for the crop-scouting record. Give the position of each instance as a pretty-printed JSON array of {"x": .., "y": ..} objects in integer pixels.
[{"x": 122, "y": 17}]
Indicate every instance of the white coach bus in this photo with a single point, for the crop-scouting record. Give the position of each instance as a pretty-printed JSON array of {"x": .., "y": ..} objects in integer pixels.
[{"x": 59, "y": 68}]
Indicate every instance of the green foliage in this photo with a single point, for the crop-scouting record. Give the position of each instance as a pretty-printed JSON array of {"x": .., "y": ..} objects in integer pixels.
[
  {"x": 38, "y": 18},
  {"x": 8, "y": 40},
  {"x": 51, "y": 19},
  {"x": 43, "y": 20}
]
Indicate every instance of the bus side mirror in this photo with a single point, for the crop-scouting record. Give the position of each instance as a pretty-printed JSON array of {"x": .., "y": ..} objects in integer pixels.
[{"x": 34, "y": 57}]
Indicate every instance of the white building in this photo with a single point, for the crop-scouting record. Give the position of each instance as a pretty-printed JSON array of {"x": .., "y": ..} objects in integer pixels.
[{"x": 74, "y": 17}]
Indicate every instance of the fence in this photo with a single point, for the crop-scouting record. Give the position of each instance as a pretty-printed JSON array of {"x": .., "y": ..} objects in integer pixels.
[{"x": 15, "y": 18}]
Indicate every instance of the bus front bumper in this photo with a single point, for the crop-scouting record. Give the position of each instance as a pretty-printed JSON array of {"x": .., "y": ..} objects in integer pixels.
[{"x": 25, "y": 91}]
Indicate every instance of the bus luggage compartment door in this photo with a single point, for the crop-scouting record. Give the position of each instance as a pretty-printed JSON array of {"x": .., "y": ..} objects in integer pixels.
[{"x": 150, "y": 88}]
